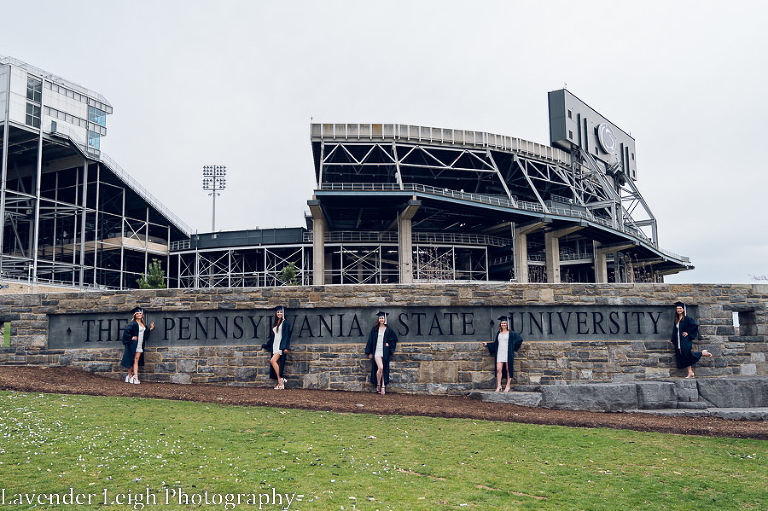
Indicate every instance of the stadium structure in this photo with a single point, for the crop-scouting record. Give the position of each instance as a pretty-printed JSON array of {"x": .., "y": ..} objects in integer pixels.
[
  {"x": 71, "y": 215},
  {"x": 392, "y": 204}
]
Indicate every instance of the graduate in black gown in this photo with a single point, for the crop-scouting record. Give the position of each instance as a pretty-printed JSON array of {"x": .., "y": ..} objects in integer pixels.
[
  {"x": 277, "y": 345},
  {"x": 380, "y": 347},
  {"x": 684, "y": 331},
  {"x": 506, "y": 342},
  {"x": 135, "y": 339}
]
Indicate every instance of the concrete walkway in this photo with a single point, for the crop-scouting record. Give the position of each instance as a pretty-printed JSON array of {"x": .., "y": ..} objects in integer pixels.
[{"x": 742, "y": 414}]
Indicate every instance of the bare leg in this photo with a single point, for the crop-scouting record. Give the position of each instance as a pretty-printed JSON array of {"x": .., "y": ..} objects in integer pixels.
[
  {"x": 509, "y": 377},
  {"x": 379, "y": 372},
  {"x": 275, "y": 361},
  {"x": 706, "y": 353},
  {"x": 499, "y": 369},
  {"x": 136, "y": 367},
  {"x": 690, "y": 372}
]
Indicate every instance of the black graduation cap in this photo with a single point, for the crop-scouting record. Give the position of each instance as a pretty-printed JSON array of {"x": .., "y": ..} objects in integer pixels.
[
  {"x": 382, "y": 313},
  {"x": 503, "y": 318},
  {"x": 679, "y": 304},
  {"x": 280, "y": 308},
  {"x": 136, "y": 310}
]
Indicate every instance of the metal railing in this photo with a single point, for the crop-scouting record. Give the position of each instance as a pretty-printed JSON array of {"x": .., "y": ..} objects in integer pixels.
[
  {"x": 461, "y": 239},
  {"x": 354, "y": 236},
  {"x": 433, "y": 190},
  {"x": 417, "y": 237},
  {"x": 180, "y": 245},
  {"x": 66, "y": 132},
  {"x": 144, "y": 193},
  {"x": 438, "y": 136},
  {"x": 499, "y": 201}
]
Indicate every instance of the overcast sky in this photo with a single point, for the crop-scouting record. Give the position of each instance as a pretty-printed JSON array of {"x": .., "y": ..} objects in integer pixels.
[{"x": 237, "y": 83}]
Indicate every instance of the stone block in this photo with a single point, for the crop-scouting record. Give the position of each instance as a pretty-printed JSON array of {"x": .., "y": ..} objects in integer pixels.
[
  {"x": 735, "y": 392},
  {"x": 220, "y": 379},
  {"x": 97, "y": 367},
  {"x": 606, "y": 396},
  {"x": 656, "y": 372},
  {"x": 165, "y": 367},
  {"x": 186, "y": 366},
  {"x": 224, "y": 371},
  {"x": 317, "y": 381},
  {"x": 184, "y": 379},
  {"x": 516, "y": 398},
  {"x": 749, "y": 370},
  {"x": 686, "y": 390},
  {"x": 245, "y": 373},
  {"x": 437, "y": 388},
  {"x": 405, "y": 376},
  {"x": 651, "y": 395},
  {"x": 438, "y": 372}
]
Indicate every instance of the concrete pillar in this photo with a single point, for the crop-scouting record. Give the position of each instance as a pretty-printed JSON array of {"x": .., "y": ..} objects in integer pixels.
[
  {"x": 405, "y": 241},
  {"x": 601, "y": 266},
  {"x": 630, "y": 272},
  {"x": 318, "y": 242},
  {"x": 601, "y": 259},
  {"x": 521, "y": 249},
  {"x": 552, "y": 257},
  {"x": 521, "y": 257},
  {"x": 552, "y": 252},
  {"x": 405, "y": 249}
]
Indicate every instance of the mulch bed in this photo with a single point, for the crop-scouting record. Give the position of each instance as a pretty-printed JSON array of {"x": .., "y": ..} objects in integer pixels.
[{"x": 66, "y": 380}]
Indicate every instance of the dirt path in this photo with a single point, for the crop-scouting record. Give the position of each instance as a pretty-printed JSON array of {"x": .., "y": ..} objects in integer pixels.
[{"x": 64, "y": 380}]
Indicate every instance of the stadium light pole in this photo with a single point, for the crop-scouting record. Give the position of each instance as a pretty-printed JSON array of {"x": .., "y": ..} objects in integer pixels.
[{"x": 214, "y": 180}]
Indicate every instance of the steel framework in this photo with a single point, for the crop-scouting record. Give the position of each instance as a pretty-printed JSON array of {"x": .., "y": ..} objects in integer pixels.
[
  {"x": 247, "y": 266},
  {"x": 473, "y": 182},
  {"x": 70, "y": 215}
]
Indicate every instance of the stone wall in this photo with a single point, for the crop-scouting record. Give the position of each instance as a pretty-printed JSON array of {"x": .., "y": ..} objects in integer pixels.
[{"x": 433, "y": 367}]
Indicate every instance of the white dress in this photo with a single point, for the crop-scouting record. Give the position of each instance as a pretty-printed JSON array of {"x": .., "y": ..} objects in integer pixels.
[
  {"x": 278, "y": 338},
  {"x": 503, "y": 350},
  {"x": 140, "y": 345},
  {"x": 380, "y": 344}
]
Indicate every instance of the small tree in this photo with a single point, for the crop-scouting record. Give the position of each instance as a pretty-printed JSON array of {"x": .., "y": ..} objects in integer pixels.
[
  {"x": 154, "y": 278},
  {"x": 288, "y": 275}
]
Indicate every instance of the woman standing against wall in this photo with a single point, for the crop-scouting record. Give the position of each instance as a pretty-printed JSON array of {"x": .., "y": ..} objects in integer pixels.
[
  {"x": 135, "y": 337},
  {"x": 684, "y": 331},
  {"x": 380, "y": 347},
  {"x": 504, "y": 346},
  {"x": 278, "y": 344}
]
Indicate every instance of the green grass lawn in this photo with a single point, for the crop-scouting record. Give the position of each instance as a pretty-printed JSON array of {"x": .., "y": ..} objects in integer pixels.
[{"x": 153, "y": 454}]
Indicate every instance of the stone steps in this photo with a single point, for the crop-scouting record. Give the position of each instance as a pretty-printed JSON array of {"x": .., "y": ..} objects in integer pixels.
[
  {"x": 747, "y": 397},
  {"x": 692, "y": 405}
]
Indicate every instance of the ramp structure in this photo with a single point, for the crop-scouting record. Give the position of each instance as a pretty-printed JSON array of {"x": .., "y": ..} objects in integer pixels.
[{"x": 71, "y": 216}]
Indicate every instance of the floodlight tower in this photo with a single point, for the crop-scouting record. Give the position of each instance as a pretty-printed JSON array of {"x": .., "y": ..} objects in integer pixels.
[{"x": 214, "y": 179}]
